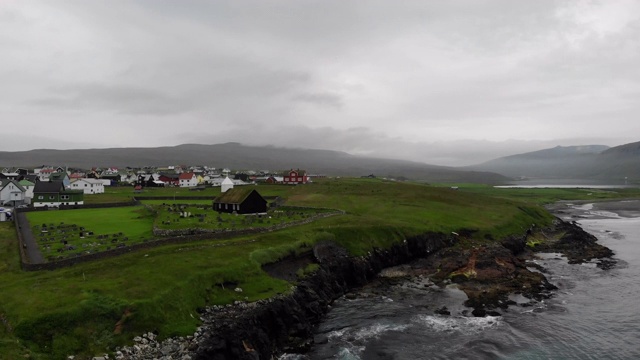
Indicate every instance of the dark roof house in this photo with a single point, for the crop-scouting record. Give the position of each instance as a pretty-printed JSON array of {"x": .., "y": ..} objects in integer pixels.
[
  {"x": 54, "y": 194},
  {"x": 242, "y": 200}
]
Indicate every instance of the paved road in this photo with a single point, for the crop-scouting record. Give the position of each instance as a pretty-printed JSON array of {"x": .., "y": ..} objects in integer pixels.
[{"x": 32, "y": 250}]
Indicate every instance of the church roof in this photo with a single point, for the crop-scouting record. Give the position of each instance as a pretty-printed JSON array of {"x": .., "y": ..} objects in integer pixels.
[{"x": 235, "y": 196}]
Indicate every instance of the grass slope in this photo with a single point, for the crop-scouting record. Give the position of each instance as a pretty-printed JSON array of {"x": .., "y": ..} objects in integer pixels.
[{"x": 92, "y": 307}]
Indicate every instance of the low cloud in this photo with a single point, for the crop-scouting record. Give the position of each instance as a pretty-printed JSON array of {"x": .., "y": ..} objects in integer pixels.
[
  {"x": 320, "y": 99},
  {"x": 125, "y": 99}
]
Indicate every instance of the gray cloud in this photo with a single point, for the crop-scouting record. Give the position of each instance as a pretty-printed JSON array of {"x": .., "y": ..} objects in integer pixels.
[
  {"x": 112, "y": 98},
  {"x": 436, "y": 81},
  {"x": 321, "y": 99}
]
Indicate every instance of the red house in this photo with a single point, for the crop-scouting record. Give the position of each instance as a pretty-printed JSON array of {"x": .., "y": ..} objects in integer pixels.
[
  {"x": 295, "y": 177},
  {"x": 171, "y": 179}
]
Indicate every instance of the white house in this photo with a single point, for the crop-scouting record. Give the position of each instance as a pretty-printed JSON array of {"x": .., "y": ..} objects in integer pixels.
[
  {"x": 88, "y": 186},
  {"x": 11, "y": 193},
  {"x": 28, "y": 190},
  {"x": 188, "y": 179},
  {"x": 227, "y": 184}
]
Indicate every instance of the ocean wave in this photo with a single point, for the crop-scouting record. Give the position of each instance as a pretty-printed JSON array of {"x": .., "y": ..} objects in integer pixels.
[
  {"x": 604, "y": 213},
  {"x": 365, "y": 333},
  {"x": 585, "y": 207},
  {"x": 461, "y": 324},
  {"x": 350, "y": 353},
  {"x": 354, "y": 339}
]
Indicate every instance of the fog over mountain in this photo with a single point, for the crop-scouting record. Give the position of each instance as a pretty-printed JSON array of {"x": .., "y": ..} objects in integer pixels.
[{"x": 590, "y": 162}]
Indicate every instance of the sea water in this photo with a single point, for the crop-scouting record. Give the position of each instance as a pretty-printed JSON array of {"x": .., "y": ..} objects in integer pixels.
[{"x": 595, "y": 313}]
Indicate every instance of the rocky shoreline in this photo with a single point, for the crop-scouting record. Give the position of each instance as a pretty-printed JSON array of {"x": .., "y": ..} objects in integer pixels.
[{"x": 487, "y": 273}]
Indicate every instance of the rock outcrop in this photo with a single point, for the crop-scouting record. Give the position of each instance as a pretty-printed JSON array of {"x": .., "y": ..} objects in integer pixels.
[
  {"x": 286, "y": 322},
  {"x": 487, "y": 273}
]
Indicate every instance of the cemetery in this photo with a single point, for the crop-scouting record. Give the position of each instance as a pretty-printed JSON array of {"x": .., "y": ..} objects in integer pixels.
[
  {"x": 72, "y": 233},
  {"x": 184, "y": 216}
]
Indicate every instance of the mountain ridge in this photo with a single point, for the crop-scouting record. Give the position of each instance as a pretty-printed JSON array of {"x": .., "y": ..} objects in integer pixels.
[
  {"x": 585, "y": 162},
  {"x": 237, "y": 156}
]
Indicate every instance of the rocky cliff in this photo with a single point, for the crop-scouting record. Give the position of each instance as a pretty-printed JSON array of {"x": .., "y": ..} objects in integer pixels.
[
  {"x": 486, "y": 272},
  {"x": 287, "y": 322}
]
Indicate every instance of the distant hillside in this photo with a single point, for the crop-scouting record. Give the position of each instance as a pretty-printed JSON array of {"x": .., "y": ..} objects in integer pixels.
[
  {"x": 592, "y": 162},
  {"x": 236, "y": 156}
]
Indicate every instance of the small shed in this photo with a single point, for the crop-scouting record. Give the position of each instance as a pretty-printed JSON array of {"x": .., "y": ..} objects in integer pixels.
[
  {"x": 3, "y": 214},
  {"x": 242, "y": 200},
  {"x": 227, "y": 184}
]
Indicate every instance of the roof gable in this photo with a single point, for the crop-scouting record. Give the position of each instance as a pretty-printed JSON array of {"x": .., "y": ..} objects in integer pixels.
[
  {"x": 236, "y": 195},
  {"x": 5, "y": 182},
  {"x": 58, "y": 176},
  {"x": 48, "y": 187},
  {"x": 187, "y": 176},
  {"x": 26, "y": 182}
]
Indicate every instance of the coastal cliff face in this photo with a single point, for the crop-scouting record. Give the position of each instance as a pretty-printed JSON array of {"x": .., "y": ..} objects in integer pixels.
[
  {"x": 487, "y": 272},
  {"x": 287, "y": 322}
]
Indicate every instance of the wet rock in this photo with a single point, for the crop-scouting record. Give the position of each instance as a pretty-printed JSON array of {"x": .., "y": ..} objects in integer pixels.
[
  {"x": 442, "y": 311},
  {"x": 576, "y": 244}
]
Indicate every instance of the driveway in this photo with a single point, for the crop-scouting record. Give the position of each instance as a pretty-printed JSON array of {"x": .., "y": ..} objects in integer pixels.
[{"x": 32, "y": 250}]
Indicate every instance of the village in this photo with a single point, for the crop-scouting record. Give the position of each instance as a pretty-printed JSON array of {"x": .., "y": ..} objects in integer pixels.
[
  {"x": 50, "y": 186},
  {"x": 107, "y": 212}
]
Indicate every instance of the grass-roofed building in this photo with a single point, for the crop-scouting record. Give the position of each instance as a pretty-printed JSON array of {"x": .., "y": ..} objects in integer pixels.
[{"x": 242, "y": 200}]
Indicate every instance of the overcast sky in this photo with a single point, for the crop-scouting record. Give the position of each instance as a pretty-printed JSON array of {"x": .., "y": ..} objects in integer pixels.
[{"x": 443, "y": 82}]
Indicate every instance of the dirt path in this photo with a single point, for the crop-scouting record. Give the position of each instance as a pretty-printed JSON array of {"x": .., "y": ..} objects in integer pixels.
[{"x": 32, "y": 251}]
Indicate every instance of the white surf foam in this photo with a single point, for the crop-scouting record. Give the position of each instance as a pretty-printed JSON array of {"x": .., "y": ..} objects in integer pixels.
[
  {"x": 585, "y": 207},
  {"x": 365, "y": 333},
  {"x": 461, "y": 324}
]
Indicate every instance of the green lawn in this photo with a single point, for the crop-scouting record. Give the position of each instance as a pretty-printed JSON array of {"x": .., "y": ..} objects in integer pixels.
[
  {"x": 58, "y": 233},
  {"x": 53, "y": 314},
  {"x": 548, "y": 195}
]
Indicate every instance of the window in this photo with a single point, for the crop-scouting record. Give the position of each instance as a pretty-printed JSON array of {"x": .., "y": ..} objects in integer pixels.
[
  {"x": 52, "y": 197},
  {"x": 40, "y": 197},
  {"x": 64, "y": 197},
  {"x": 299, "y": 179}
]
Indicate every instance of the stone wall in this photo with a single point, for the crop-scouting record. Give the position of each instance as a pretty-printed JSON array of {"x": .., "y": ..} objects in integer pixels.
[
  {"x": 254, "y": 230},
  {"x": 85, "y": 206},
  {"x": 172, "y": 198}
]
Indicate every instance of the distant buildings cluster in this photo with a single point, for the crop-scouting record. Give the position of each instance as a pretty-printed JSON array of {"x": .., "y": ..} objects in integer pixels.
[{"x": 54, "y": 186}]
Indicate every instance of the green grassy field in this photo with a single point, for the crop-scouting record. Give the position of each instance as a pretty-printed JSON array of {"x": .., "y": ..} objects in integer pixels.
[
  {"x": 92, "y": 307},
  {"x": 548, "y": 195},
  {"x": 58, "y": 233}
]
